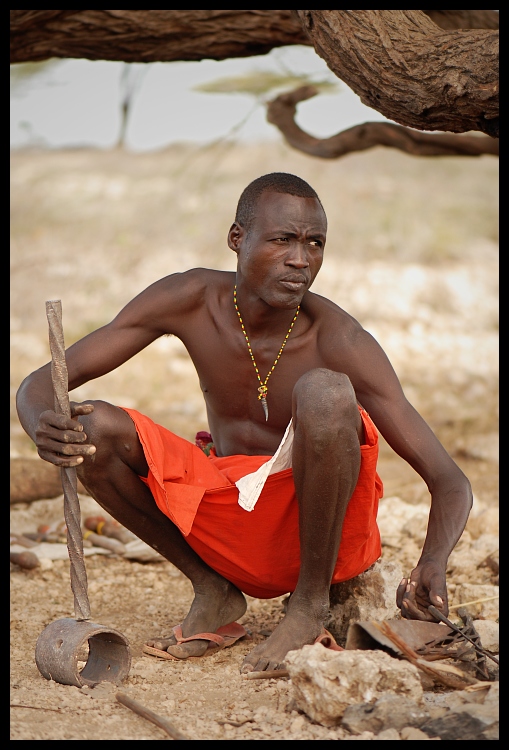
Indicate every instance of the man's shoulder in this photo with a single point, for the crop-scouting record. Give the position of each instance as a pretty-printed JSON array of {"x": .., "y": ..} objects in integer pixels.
[
  {"x": 194, "y": 282},
  {"x": 200, "y": 276},
  {"x": 330, "y": 315}
]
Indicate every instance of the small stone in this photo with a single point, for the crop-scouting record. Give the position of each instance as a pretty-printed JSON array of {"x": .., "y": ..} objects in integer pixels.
[
  {"x": 363, "y": 736},
  {"x": 388, "y": 712},
  {"x": 388, "y": 734},
  {"x": 297, "y": 725},
  {"x": 413, "y": 733}
]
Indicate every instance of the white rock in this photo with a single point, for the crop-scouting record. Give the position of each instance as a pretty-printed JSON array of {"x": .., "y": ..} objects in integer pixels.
[
  {"x": 486, "y": 522},
  {"x": 483, "y": 610},
  {"x": 493, "y": 694},
  {"x": 412, "y": 733},
  {"x": 325, "y": 682},
  {"x": 489, "y": 634},
  {"x": 369, "y": 596},
  {"x": 388, "y": 734},
  {"x": 394, "y": 513}
]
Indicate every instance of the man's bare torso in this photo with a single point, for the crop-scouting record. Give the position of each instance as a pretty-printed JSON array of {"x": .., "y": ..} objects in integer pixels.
[{"x": 214, "y": 339}]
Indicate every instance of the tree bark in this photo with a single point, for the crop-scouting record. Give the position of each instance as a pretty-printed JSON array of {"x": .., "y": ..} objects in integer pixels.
[
  {"x": 171, "y": 35},
  {"x": 281, "y": 113},
  {"x": 151, "y": 36},
  {"x": 402, "y": 65},
  {"x": 465, "y": 19}
]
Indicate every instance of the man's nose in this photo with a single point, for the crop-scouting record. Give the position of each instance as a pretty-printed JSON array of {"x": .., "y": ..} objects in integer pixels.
[{"x": 297, "y": 256}]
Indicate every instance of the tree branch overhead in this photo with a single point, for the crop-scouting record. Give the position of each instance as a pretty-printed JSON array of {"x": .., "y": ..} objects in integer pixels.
[
  {"x": 403, "y": 66},
  {"x": 427, "y": 70}
]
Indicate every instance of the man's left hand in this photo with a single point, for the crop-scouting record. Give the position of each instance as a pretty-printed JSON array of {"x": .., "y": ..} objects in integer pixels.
[{"x": 426, "y": 585}]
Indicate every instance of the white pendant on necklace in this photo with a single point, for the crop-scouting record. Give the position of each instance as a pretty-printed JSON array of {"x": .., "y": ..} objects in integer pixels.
[
  {"x": 265, "y": 407},
  {"x": 262, "y": 390}
]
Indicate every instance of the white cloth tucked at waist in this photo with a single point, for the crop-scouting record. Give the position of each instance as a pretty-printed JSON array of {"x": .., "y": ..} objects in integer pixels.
[{"x": 251, "y": 485}]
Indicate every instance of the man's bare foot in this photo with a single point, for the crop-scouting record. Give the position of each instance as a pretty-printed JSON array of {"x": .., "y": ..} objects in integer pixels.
[
  {"x": 218, "y": 604},
  {"x": 297, "y": 629}
]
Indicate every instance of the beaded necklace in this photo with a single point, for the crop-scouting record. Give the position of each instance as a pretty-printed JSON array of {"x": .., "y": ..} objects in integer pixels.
[{"x": 262, "y": 390}]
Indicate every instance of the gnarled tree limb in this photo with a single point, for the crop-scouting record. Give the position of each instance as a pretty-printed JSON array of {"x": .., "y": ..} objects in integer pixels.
[
  {"x": 465, "y": 19},
  {"x": 151, "y": 35},
  {"x": 281, "y": 113},
  {"x": 171, "y": 35},
  {"x": 402, "y": 65}
]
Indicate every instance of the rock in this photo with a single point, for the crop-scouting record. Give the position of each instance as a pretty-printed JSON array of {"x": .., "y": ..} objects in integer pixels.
[
  {"x": 493, "y": 694},
  {"x": 297, "y": 725},
  {"x": 457, "y": 698},
  {"x": 486, "y": 522},
  {"x": 488, "y": 631},
  {"x": 483, "y": 447},
  {"x": 325, "y": 683},
  {"x": 468, "y": 562},
  {"x": 412, "y": 733},
  {"x": 483, "y": 610},
  {"x": 394, "y": 514},
  {"x": 369, "y": 596},
  {"x": 471, "y": 721},
  {"x": 417, "y": 526},
  {"x": 388, "y": 712},
  {"x": 141, "y": 552},
  {"x": 388, "y": 734}
]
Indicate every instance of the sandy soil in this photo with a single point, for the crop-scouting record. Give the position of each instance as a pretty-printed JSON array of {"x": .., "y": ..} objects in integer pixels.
[{"x": 412, "y": 253}]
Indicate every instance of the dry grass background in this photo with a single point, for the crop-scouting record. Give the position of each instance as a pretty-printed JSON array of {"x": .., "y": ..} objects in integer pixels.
[{"x": 412, "y": 252}]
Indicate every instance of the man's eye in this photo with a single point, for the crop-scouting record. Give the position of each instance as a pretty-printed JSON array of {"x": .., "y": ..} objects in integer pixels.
[{"x": 315, "y": 243}]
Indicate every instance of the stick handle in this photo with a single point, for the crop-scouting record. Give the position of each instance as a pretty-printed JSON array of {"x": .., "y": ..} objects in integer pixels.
[{"x": 72, "y": 511}]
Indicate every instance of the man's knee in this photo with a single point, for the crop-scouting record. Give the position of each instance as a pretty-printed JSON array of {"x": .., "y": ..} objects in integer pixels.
[
  {"x": 107, "y": 427},
  {"x": 324, "y": 402}
]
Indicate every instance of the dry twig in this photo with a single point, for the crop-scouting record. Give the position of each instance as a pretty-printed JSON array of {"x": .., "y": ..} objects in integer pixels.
[
  {"x": 146, "y": 713},
  {"x": 269, "y": 674}
]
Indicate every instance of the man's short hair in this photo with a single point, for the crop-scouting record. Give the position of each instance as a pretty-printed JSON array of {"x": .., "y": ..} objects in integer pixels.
[{"x": 276, "y": 182}]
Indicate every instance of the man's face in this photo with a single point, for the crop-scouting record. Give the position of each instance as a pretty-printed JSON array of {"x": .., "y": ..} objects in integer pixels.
[{"x": 281, "y": 254}]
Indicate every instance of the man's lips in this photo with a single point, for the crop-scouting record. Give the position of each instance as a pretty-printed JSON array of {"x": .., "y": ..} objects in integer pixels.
[{"x": 293, "y": 283}]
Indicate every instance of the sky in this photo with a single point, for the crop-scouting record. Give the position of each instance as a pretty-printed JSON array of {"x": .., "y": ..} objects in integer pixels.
[{"x": 77, "y": 103}]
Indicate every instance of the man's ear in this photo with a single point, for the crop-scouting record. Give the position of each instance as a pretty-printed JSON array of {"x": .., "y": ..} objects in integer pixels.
[{"x": 235, "y": 236}]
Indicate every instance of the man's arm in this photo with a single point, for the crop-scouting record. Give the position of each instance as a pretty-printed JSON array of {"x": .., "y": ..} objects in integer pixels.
[
  {"x": 157, "y": 310},
  {"x": 379, "y": 391}
]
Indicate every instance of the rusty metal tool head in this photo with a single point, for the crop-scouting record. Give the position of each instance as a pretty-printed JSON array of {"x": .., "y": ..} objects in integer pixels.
[{"x": 60, "y": 644}]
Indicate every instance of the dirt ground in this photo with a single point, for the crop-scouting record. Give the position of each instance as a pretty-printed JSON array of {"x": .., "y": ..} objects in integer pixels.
[{"x": 412, "y": 253}]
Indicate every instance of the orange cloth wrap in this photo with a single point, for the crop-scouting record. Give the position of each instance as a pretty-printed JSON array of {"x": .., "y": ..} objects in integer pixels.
[{"x": 258, "y": 551}]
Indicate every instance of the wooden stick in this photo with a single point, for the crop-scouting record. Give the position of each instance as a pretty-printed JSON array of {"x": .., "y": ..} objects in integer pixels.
[
  {"x": 160, "y": 721},
  {"x": 72, "y": 512},
  {"x": 269, "y": 674}
]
